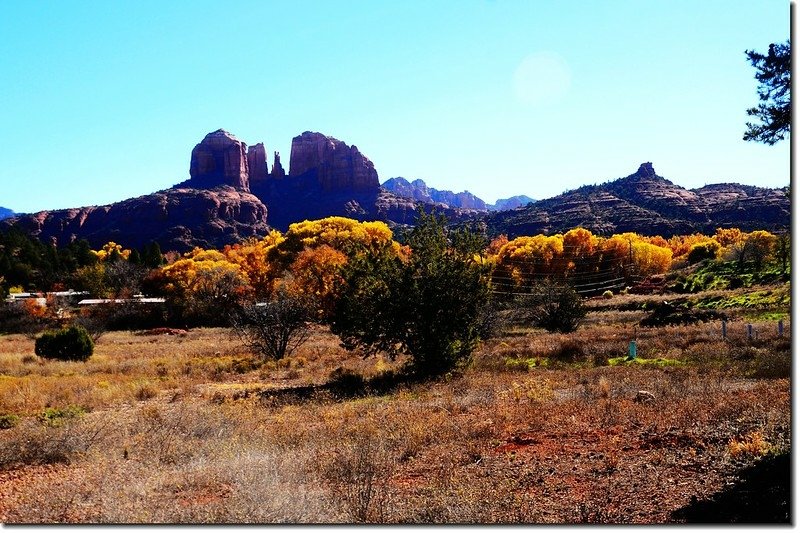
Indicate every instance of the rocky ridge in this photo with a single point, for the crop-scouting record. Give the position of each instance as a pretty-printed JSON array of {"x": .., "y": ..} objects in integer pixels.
[
  {"x": 178, "y": 219},
  {"x": 420, "y": 191},
  {"x": 650, "y": 205}
]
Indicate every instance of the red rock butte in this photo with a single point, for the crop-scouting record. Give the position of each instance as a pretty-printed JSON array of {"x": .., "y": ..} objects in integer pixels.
[{"x": 222, "y": 159}]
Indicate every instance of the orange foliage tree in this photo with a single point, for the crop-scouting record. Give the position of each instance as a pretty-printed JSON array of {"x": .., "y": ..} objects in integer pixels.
[{"x": 580, "y": 256}]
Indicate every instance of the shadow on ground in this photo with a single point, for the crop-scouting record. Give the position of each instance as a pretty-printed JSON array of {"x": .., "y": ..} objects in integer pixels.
[{"x": 761, "y": 496}]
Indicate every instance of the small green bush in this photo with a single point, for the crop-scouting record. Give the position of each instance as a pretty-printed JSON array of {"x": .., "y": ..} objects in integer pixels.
[
  {"x": 8, "y": 421},
  {"x": 56, "y": 416},
  {"x": 69, "y": 344},
  {"x": 607, "y": 295}
]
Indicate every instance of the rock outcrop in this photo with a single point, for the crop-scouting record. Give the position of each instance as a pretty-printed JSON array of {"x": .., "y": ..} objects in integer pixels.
[
  {"x": 219, "y": 159},
  {"x": 178, "y": 219},
  {"x": 648, "y": 204},
  {"x": 335, "y": 165},
  {"x": 257, "y": 163},
  {"x": 277, "y": 169}
]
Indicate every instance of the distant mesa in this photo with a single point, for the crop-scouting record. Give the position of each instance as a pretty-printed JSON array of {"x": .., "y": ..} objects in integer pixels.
[
  {"x": 178, "y": 219},
  {"x": 6, "y": 213},
  {"x": 419, "y": 190}
]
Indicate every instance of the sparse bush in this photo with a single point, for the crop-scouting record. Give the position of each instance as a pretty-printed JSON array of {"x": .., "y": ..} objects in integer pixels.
[
  {"x": 771, "y": 365},
  {"x": 703, "y": 250},
  {"x": 666, "y": 314},
  {"x": 70, "y": 344},
  {"x": 344, "y": 383},
  {"x": 556, "y": 307},
  {"x": 568, "y": 351},
  {"x": 607, "y": 295},
  {"x": 276, "y": 328}
]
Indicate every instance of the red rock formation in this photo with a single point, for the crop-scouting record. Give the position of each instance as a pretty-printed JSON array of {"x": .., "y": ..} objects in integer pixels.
[
  {"x": 277, "y": 169},
  {"x": 219, "y": 159},
  {"x": 336, "y": 165},
  {"x": 257, "y": 163},
  {"x": 178, "y": 219}
]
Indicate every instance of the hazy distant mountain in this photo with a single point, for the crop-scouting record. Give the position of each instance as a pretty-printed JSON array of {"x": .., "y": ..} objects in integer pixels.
[
  {"x": 510, "y": 203},
  {"x": 418, "y": 190},
  {"x": 6, "y": 213},
  {"x": 649, "y": 204}
]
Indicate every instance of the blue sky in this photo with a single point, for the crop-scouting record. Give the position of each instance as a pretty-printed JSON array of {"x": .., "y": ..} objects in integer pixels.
[{"x": 102, "y": 101}]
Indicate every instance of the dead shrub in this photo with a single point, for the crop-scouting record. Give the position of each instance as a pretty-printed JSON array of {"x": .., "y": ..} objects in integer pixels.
[
  {"x": 358, "y": 472},
  {"x": 568, "y": 351},
  {"x": 33, "y": 443}
]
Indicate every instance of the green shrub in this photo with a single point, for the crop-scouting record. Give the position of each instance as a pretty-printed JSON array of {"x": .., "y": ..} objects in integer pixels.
[
  {"x": 69, "y": 344},
  {"x": 556, "y": 307},
  {"x": 428, "y": 307},
  {"x": 607, "y": 295},
  {"x": 56, "y": 416},
  {"x": 8, "y": 421}
]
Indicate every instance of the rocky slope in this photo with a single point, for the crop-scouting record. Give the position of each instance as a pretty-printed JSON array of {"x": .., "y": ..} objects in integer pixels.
[
  {"x": 178, "y": 219},
  {"x": 650, "y": 205},
  {"x": 5, "y": 213}
]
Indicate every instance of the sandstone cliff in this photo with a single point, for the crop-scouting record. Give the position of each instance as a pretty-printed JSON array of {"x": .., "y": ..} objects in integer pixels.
[
  {"x": 335, "y": 165},
  {"x": 257, "y": 163},
  {"x": 219, "y": 159}
]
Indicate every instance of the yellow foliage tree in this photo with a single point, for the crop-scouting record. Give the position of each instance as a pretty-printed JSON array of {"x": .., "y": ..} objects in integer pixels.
[
  {"x": 253, "y": 258},
  {"x": 344, "y": 234},
  {"x": 111, "y": 251}
]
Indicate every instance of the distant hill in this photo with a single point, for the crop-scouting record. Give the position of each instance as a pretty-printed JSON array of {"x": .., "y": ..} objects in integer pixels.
[
  {"x": 420, "y": 191},
  {"x": 650, "y": 205},
  {"x": 6, "y": 213},
  {"x": 510, "y": 203}
]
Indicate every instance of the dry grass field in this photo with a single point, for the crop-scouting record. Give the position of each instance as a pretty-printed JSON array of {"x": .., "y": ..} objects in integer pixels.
[{"x": 192, "y": 428}]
